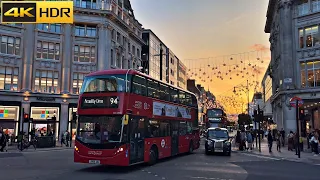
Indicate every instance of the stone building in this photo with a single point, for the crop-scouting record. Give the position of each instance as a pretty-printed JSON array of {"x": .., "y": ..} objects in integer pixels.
[
  {"x": 293, "y": 26},
  {"x": 42, "y": 66}
]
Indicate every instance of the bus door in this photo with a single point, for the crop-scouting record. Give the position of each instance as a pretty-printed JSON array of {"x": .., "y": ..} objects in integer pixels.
[
  {"x": 136, "y": 127},
  {"x": 174, "y": 138}
]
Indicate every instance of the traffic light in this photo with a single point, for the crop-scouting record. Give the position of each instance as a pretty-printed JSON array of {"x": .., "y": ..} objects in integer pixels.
[
  {"x": 25, "y": 117},
  {"x": 54, "y": 118}
]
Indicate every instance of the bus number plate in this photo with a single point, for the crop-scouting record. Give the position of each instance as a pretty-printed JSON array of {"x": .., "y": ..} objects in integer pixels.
[{"x": 94, "y": 162}]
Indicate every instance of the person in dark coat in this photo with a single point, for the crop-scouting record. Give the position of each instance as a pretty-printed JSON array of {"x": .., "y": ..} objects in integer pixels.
[{"x": 270, "y": 141}]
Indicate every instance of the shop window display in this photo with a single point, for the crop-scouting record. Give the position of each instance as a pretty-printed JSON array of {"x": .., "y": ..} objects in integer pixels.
[
  {"x": 9, "y": 116},
  {"x": 42, "y": 121}
]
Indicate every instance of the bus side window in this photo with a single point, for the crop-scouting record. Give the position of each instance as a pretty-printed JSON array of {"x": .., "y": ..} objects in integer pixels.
[
  {"x": 189, "y": 127},
  {"x": 188, "y": 99},
  {"x": 164, "y": 95},
  {"x": 173, "y": 95},
  {"x": 164, "y": 128},
  {"x": 175, "y": 128},
  {"x": 182, "y": 128},
  {"x": 153, "y": 128},
  {"x": 153, "y": 88},
  {"x": 139, "y": 85},
  {"x": 182, "y": 97}
]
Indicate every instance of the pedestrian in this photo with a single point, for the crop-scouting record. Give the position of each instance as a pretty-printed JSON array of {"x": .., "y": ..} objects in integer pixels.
[
  {"x": 249, "y": 140},
  {"x": 270, "y": 141},
  {"x": 238, "y": 139},
  {"x": 242, "y": 140},
  {"x": 315, "y": 143},
  {"x": 279, "y": 139},
  {"x": 290, "y": 141},
  {"x": 283, "y": 135}
]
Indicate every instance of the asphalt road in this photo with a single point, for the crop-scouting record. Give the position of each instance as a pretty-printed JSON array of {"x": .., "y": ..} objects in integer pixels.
[{"x": 58, "y": 165}]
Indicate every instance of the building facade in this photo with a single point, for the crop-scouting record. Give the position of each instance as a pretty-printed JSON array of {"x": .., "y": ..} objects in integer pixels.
[
  {"x": 173, "y": 68},
  {"x": 42, "y": 66},
  {"x": 266, "y": 95},
  {"x": 295, "y": 53},
  {"x": 182, "y": 75},
  {"x": 155, "y": 56},
  {"x": 205, "y": 99}
]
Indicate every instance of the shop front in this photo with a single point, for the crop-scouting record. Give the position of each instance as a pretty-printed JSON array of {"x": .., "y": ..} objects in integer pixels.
[
  {"x": 46, "y": 120},
  {"x": 9, "y": 120}
]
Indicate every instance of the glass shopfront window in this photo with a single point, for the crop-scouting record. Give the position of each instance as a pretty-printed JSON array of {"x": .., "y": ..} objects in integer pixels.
[
  {"x": 42, "y": 122},
  {"x": 72, "y": 125},
  {"x": 312, "y": 70},
  {"x": 9, "y": 117}
]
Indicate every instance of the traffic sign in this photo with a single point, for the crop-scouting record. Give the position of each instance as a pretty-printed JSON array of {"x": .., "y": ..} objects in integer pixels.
[{"x": 294, "y": 100}]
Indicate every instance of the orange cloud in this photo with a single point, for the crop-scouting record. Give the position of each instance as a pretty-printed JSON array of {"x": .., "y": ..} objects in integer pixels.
[{"x": 259, "y": 47}]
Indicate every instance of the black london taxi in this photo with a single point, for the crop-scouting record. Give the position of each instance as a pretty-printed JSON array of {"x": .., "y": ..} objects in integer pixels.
[{"x": 218, "y": 141}]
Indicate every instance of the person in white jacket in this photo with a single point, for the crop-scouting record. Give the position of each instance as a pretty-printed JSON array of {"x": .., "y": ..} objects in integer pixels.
[{"x": 315, "y": 142}]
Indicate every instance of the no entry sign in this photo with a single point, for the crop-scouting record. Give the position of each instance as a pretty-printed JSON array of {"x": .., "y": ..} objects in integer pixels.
[{"x": 294, "y": 100}]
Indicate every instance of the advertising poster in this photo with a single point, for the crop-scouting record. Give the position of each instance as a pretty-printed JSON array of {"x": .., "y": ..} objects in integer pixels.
[{"x": 162, "y": 109}]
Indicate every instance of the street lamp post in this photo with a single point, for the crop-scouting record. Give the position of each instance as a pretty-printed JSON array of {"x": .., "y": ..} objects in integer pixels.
[{"x": 247, "y": 92}]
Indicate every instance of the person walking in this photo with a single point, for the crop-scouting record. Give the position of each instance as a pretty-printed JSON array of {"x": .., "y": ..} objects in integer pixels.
[
  {"x": 290, "y": 141},
  {"x": 315, "y": 143},
  {"x": 3, "y": 140},
  {"x": 270, "y": 141},
  {"x": 279, "y": 141},
  {"x": 283, "y": 136},
  {"x": 249, "y": 140}
]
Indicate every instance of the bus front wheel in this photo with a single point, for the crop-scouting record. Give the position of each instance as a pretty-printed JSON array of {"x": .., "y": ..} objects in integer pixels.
[{"x": 153, "y": 156}]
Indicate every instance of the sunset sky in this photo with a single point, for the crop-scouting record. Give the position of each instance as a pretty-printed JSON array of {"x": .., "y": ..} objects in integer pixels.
[{"x": 198, "y": 29}]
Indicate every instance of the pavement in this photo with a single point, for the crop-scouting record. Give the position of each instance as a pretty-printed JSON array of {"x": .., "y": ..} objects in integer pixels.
[
  {"x": 59, "y": 165},
  {"x": 305, "y": 156}
]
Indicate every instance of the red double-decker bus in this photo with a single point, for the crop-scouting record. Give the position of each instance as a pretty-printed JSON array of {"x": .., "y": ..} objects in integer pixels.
[
  {"x": 126, "y": 117},
  {"x": 216, "y": 117}
]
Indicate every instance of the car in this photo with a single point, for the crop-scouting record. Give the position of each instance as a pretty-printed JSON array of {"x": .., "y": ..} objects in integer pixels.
[{"x": 218, "y": 141}]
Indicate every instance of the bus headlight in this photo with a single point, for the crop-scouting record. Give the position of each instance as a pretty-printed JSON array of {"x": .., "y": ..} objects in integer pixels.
[
  {"x": 120, "y": 150},
  {"x": 76, "y": 148}
]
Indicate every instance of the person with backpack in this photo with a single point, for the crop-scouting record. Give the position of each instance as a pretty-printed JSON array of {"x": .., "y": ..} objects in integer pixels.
[{"x": 249, "y": 140}]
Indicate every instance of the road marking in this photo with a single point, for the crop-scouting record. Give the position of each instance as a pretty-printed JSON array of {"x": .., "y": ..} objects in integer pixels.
[
  {"x": 263, "y": 157},
  {"x": 212, "y": 178}
]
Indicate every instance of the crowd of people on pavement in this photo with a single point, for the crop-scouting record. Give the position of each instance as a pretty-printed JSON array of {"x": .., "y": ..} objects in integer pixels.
[
  {"x": 22, "y": 137},
  {"x": 244, "y": 140}
]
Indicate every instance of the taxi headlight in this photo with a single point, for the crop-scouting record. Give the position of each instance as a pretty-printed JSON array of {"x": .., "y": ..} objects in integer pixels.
[{"x": 228, "y": 143}]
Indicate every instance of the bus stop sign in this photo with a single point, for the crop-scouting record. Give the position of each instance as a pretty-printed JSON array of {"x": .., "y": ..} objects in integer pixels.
[{"x": 294, "y": 100}]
